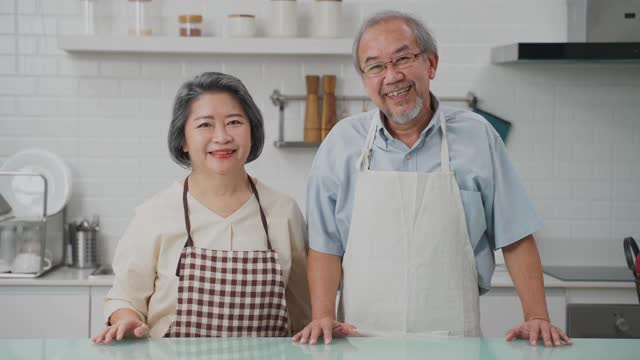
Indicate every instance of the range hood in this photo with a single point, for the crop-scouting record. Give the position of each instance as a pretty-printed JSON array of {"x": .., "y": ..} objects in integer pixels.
[
  {"x": 567, "y": 52},
  {"x": 597, "y": 31}
]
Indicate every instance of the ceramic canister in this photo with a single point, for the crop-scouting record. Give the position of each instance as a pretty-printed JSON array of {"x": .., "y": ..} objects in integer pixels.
[
  {"x": 284, "y": 18},
  {"x": 241, "y": 25},
  {"x": 325, "y": 20}
]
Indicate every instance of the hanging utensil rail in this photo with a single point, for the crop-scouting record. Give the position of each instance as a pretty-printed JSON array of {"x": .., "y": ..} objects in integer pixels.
[{"x": 280, "y": 100}]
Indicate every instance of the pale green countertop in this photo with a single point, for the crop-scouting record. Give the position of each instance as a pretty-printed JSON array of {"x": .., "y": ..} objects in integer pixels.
[{"x": 388, "y": 348}]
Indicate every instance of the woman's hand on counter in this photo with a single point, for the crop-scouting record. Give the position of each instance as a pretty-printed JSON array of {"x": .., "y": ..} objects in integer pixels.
[
  {"x": 325, "y": 327},
  {"x": 125, "y": 323},
  {"x": 536, "y": 328}
]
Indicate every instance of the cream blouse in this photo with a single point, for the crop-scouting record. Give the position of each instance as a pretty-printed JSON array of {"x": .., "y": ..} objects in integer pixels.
[{"x": 147, "y": 254}]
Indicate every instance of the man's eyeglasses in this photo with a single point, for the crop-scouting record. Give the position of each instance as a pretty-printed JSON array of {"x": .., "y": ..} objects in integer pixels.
[{"x": 399, "y": 62}]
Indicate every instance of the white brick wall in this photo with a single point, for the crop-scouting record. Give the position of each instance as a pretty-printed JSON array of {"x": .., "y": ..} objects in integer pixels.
[{"x": 575, "y": 138}]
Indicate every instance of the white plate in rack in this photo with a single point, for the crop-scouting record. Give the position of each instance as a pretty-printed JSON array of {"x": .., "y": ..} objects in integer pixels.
[{"x": 26, "y": 191}]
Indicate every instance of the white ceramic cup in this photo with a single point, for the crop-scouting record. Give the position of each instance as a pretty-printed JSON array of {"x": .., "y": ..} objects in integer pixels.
[
  {"x": 241, "y": 25},
  {"x": 284, "y": 18},
  {"x": 25, "y": 263}
]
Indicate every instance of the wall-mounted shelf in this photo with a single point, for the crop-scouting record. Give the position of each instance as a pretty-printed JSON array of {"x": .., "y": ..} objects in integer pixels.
[
  {"x": 566, "y": 52},
  {"x": 205, "y": 45}
]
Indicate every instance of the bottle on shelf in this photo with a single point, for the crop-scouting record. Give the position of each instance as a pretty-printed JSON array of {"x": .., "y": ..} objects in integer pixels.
[
  {"x": 328, "y": 104},
  {"x": 312, "y": 127},
  {"x": 140, "y": 18}
]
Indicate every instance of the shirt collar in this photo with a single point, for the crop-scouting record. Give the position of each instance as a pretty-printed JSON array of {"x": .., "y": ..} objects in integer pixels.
[{"x": 383, "y": 137}]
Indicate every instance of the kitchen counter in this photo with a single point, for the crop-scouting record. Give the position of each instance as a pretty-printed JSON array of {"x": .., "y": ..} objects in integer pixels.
[
  {"x": 66, "y": 276},
  {"x": 61, "y": 276},
  {"x": 407, "y": 347},
  {"x": 501, "y": 279}
]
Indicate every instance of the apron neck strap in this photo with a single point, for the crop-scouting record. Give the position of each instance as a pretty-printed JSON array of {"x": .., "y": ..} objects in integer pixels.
[
  {"x": 187, "y": 222},
  {"x": 185, "y": 206},
  {"x": 365, "y": 157},
  {"x": 262, "y": 216},
  {"x": 444, "y": 148}
]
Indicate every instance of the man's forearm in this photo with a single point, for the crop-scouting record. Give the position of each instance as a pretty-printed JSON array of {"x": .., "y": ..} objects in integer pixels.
[
  {"x": 324, "y": 272},
  {"x": 523, "y": 262}
]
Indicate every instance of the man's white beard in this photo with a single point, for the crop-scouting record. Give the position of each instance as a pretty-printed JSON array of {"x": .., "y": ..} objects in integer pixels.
[{"x": 408, "y": 116}]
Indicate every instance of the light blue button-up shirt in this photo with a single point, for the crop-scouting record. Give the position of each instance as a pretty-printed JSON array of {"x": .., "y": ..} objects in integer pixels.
[{"x": 497, "y": 208}]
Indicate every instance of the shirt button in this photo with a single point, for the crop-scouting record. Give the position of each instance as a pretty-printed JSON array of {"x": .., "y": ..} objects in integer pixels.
[{"x": 408, "y": 157}]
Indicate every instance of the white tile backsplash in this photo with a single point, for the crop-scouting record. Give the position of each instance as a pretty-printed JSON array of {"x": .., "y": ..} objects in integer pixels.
[
  {"x": 7, "y": 44},
  {"x": 7, "y": 24},
  {"x": 27, "y": 45},
  {"x": 26, "y": 6},
  {"x": 575, "y": 138}
]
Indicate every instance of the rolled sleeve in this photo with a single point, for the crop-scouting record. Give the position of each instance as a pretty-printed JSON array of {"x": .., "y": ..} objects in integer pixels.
[
  {"x": 322, "y": 189},
  {"x": 511, "y": 215},
  {"x": 134, "y": 267}
]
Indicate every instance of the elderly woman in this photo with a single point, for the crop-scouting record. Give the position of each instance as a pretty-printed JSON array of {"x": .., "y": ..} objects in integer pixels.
[{"x": 219, "y": 254}]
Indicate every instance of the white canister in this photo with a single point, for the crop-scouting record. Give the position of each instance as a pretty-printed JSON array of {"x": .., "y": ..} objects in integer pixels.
[
  {"x": 241, "y": 25},
  {"x": 325, "y": 20},
  {"x": 284, "y": 18}
]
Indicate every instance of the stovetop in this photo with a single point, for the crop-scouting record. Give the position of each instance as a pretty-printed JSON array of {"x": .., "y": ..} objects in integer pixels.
[{"x": 589, "y": 273}]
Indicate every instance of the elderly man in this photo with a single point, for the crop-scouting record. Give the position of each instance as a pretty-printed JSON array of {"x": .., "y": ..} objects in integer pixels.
[{"x": 407, "y": 203}]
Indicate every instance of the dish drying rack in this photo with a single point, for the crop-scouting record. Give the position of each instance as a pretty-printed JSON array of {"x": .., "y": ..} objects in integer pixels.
[{"x": 40, "y": 219}]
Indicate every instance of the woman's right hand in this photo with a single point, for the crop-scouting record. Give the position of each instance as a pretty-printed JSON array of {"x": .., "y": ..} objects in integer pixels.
[{"x": 123, "y": 328}]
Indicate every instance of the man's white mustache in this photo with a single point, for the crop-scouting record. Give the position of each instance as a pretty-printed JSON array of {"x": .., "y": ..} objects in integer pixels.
[{"x": 397, "y": 87}]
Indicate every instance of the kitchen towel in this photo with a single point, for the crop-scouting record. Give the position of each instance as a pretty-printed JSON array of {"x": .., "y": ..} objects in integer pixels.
[{"x": 502, "y": 126}]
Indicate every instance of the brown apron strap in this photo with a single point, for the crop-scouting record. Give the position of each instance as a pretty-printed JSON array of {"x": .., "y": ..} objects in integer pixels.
[
  {"x": 185, "y": 206},
  {"x": 262, "y": 216},
  {"x": 187, "y": 222}
]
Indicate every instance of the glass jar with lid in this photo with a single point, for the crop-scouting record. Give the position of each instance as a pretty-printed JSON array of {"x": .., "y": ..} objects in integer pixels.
[
  {"x": 139, "y": 17},
  {"x": 190, "y": 25}
]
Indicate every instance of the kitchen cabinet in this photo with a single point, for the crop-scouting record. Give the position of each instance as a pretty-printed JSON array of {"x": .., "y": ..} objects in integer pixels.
[
  {"x": 66, "y": 303},
  {"x": 500, "y": 310},
  {"x": 44, "y": 311},
  {"x": 96, "y": 316}
]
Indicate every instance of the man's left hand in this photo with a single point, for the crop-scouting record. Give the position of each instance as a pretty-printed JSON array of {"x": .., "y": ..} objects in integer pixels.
[{"x": 536, "y": 328}]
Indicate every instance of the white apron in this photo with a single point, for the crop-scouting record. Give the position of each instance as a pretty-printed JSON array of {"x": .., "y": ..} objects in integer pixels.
[{"x": 408, "y": 265}]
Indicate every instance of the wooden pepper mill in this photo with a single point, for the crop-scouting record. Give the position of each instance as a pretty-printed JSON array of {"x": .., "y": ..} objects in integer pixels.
[
  {"x": 328, "y": 104},
  {"x": 312, "y": 115}
]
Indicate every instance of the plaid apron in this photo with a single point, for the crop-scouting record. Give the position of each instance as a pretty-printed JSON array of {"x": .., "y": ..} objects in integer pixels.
[{"x": 226, "y": 293}]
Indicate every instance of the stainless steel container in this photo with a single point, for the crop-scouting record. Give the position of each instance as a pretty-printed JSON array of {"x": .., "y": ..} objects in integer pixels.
[{"x": 82, "y": 238}]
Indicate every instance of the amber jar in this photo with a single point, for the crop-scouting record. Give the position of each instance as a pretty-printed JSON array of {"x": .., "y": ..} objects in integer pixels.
[{"x": 190, "y": 25}]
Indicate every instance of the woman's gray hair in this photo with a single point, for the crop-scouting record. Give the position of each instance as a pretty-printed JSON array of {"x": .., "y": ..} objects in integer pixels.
[
  {"x": 212, "y": 82},
  {"x": 426, "y": 41}
]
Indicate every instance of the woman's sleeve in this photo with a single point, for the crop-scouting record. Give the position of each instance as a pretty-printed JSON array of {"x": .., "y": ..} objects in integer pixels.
[
  {"x": 297, "y": 292},
  {"x": 134, "y": 267}
]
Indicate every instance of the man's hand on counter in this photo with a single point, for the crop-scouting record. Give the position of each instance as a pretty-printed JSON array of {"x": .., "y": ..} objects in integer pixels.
[
  {"x": 325, "y": 327},
  {"x": 539, "y": 328}
]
